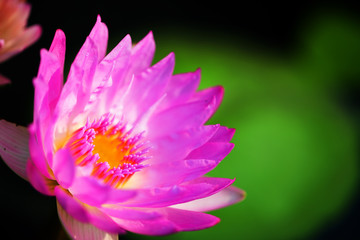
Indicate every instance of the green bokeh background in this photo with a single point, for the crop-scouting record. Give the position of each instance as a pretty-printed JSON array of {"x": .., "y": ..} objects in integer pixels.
[
  {"x": 295, "y": 145},
  {"x": 296, "y": 113}
]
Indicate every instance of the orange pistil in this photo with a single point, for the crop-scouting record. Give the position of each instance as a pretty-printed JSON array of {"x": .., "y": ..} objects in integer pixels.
[{"x": 114, "y": 153}]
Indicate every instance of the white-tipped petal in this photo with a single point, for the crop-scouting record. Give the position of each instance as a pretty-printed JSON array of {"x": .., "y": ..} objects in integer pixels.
[
  {"x": 14, "y": 147},
  {"x": 82, "y": 231},
  {"x": 225, "y": 197}
]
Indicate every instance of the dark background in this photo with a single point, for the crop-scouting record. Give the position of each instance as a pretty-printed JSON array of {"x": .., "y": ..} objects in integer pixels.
[
  {"x": 273, "y": 26},
  {"x": 269, "y": 25}
]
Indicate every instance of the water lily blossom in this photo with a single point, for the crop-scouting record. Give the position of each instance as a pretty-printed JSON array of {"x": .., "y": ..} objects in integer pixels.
[
  {"x": 123, "y": 144},
  {"x": 14, "y": 35}
]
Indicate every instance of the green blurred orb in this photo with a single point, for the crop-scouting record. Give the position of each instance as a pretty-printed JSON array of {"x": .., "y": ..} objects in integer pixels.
[
  {"x": 297, "y": 166},
  {"x": 295, "y": 150}
]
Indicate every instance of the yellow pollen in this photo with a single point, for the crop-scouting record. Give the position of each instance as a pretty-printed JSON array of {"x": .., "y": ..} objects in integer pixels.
[
  {"x": 114, "y": 153},
  {"x": 111, "y": 148}
]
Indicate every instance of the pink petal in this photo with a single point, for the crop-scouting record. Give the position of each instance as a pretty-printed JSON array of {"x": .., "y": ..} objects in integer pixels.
[
  {"x": 72, "y": 206},
  {"x": 172, "y": 220},
  {"x": 58, "y": 46},
  {"x": 85, "y": 213},
  {"x": 4, "y": 80},
  {"x": 167, "y": 196},
  {"x": 217, "y": 148},
  {"x": 126, "y": 213},
  {"x": 64, "y": 167},
  {"x": 109, "y": 78},
  {"x": 123, "y": 48},
  {"x": 158, "y": 227},
  {"x": 82, "y": 231},
  {"x": 99, "y": 34},
  {"x": 77, "y": 89},
  {"x": 176, "y": 172},
  {"x": 165, "y": 150},
  {"x": 214, "y": 93},
  {"x": 47, "y": 84},
  {"x": 211, "y": 150},
  {"x": 223, "y": 134},
  {"x": 81, "y": 81},
  {"x": 178, "y": 145},
  {"x": 40, "y": 98},
  {"x": 55, "y": 82},
  {"x": 83, "y": 68},
  {"x": 147, "y": 88},
  {"x": 188, "y": 220},
  {"x": 39, "y": 181},
  {"x": 41, "y": 129},
  {"x": 180, "y": 88},
  {"x": 37, "y": 151},
  {"x": 225, "y": 197},
  {"x": 142, "y": 54},
  {"x": 181, "y": 117},
  {"x": 14, "y": 147},
  {"x": 91, "y": 191}
]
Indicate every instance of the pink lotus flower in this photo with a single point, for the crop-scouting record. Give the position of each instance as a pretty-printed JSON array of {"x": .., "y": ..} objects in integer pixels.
[
  {"x": 14, "y": 36},
  {"x": 122, "y": 144}
]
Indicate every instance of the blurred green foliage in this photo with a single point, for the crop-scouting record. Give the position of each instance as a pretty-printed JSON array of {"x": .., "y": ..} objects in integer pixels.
[{"x": 295, "y": 146}]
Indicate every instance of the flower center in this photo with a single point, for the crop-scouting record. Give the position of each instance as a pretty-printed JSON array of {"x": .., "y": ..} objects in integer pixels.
[{"x": 114, "y": 153}]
